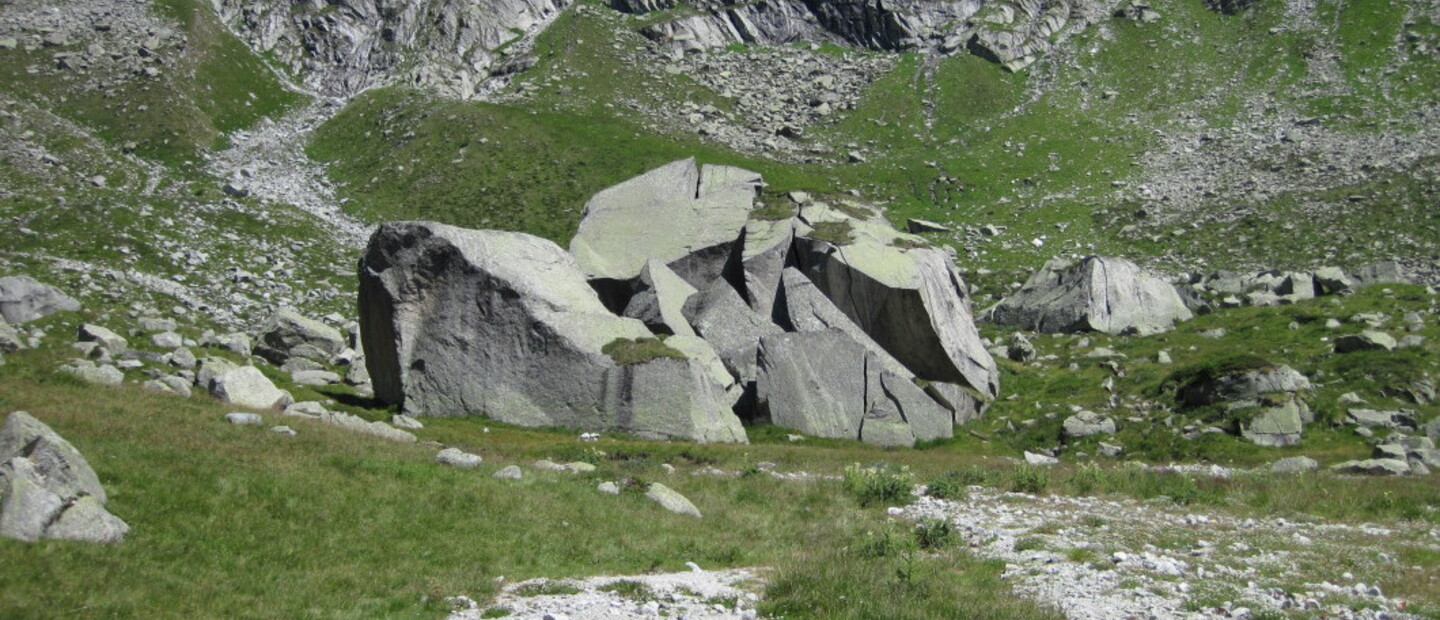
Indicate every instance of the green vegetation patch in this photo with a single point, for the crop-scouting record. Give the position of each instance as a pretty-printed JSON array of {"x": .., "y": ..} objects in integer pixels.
[
  {"x": 838, "y": 233},
  {"x": 627, "y": 352}
]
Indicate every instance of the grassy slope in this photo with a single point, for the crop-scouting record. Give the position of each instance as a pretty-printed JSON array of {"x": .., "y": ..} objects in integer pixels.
[
  {"x": 1027, "y": 151},
  {"x": 239, "y": 522},
  {"x": 1043, "y": 390}
]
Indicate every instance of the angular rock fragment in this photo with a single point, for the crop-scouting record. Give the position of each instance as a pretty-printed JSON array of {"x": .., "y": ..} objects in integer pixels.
[
  {"x": 1108, "y": 295},
  {"x": 1270, "y": 395},
  {"x": 658, "y": 300},
  {"x": 22, "y": 299},
  {"x": 248, "y": 387},
  {"x": 909, "y": 300},
  {"x": 290, "y": 334},
  {"x": 685, "y": 215},
  {"x": 47, "y": 489}
]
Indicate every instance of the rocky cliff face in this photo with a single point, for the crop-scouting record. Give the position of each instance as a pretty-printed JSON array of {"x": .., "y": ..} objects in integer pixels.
[
  {"x": 341, "y": 47},
  {"x": 1010, "y": 32}
]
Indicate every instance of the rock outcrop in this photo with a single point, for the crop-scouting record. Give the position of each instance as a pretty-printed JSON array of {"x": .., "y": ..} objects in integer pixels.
[
  {"x": 1011, "y": 33},
  {"x": 1108, "y": 295},
  {"x": 23, "y": 299},
  {"x": 342, "y": 47},
  {"x": 678, "y": 313},
  {"x": 48, "y": 490},
  {"x": 909, "y": 299},
  {"x": 1268, "y": 399},
  {"x": 466, "y": 322},
  {"x": 685, "y": 215},
  {"x": 288, "y": 334}
]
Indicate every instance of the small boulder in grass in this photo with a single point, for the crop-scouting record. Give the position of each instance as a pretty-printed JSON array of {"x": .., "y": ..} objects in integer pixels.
[
  {"x": 455, "y": 457},
  {"x": 671, "y": 500},
  {"x": 244, "y": 419},
  {"x": 510, "y": 472}
]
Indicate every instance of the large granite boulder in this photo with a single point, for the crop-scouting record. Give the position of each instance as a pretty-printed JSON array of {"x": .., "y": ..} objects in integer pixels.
[
  {"x": 290, "y": 334},
  {"x": 1268, "y": 399},
  {"x": 23, "y": 299},
  {"x": 825, "y": 384},
  {"x": 908, "y": 298},
  {"x": 47, "y": 489},
  {"x": 685, "y": 215},
  {"x": 1110, "y": 295},
  {"x": 464, "y": 322}
]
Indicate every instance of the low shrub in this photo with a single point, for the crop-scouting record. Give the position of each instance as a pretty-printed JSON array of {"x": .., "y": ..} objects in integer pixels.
[
  {"x": 933, "y": 534},
  {"x": 879, "y": 483}
]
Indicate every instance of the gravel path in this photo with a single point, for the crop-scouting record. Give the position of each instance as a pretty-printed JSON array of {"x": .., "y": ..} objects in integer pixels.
[
  {"x": 694, "y": 595},
  {"x": 1098, "y": 558}
]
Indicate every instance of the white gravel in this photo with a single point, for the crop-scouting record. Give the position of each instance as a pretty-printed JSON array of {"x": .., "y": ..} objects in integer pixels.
[
  {"x": 1097, "y": 558},
  {"x": 695, "y": 595}
]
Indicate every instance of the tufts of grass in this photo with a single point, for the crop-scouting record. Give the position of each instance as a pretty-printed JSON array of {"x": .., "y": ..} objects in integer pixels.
[
  {"x": 633, "y": 590},
  {"x": 878, "y": 484},
  {"x": 932, "y": 534},
  {"x": 628, "y": 352},
  {"x": 838, "y": 233}
]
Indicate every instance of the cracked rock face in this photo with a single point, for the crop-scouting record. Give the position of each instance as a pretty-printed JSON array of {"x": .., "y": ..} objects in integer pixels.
[
  {"x": 47, "y": 489},
  {"x": 464, "y": 322},
  {"x": 341, "y": 48},
  {"x": 1110, "y": 295}
]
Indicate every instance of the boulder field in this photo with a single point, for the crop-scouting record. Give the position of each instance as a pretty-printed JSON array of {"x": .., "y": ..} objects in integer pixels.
[{"x": 681, "y": 309}]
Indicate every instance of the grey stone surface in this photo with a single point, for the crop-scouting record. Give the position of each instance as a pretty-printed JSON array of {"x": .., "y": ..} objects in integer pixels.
[
  {"x": 1275, "y": 393},
  {"x": 64, "y": 468},
  {"x": 23, "y": 299},
  {"x": 361, "y": 425},
  {"x": 963, "y": 403},
  {"x": 1087, "y": 423},
  {"x": 823, "y": 383},
  {"x": 10, "y": 339},
  {"x": 803, "y": 308},
  {"x": 765, "y": 248},
  {"x": 1368, "y": 340},
  {"x": 288, "y": 334},
  {"x": 510, "y": 472},
  {"x": 248, "y": 387},
  {"x": 1373, "y": 467},
  {"x": 1372, "y": 418},
  {"x": 659, "y": 300},
  {"x": 106, "y": 338},
  {"x": 455, "y": 457},
  {"x": 315, "y": 377},
  {"x": 244, "y": 419},
  {"x": 463, "y": 322},
  {"x": 208, "y": 368},
  {"x": 911, "y": 301},
  {"x": 104, "y": 374},
  {"x": 813, "y": 382},
  {"x": 667, "y": 398},
  {"x": 1110, "y": 295},
  {"x": 401, "y": 420},
  {"x": 47, "y": 489},
  {"x": 1294, "y": 465},
  {"x": 685, "y": 215},
  {"x": 671, "y": 500},
  {"x": 724, "y": 320}
]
